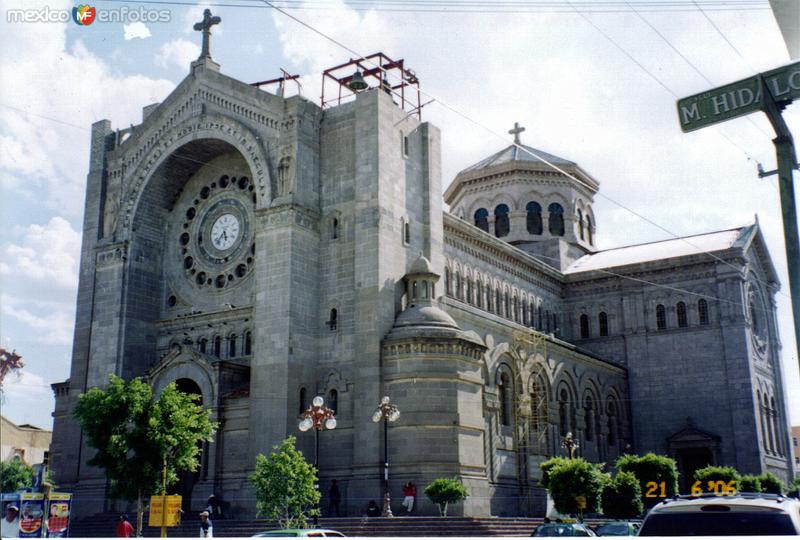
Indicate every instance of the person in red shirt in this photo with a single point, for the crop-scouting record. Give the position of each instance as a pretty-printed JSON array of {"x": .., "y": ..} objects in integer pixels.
[
  {"x": 124, "y": 527},
  {"x": 409, "y": 494}
]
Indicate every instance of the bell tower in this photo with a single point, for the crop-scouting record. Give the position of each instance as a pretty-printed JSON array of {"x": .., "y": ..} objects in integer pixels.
[{"x": 539, "y": 202}]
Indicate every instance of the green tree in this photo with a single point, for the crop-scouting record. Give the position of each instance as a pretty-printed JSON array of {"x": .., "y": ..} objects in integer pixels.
[
  {"x": 771, "y": 483},
  {"x": 284, "y": 485},
  {"x": 794, "y": 488},
  {"x": 622, "y": 497},
  {"x": 709, "y": 478},
  {"x": 654, "y": 472},
  {"x": 445, "y": 491},
  {"x": 750, "y": 484},
  {"x": 136, "y": 436},
  {"x": 573, "y": 478},
  {"x": 15, "y": 475},
  {"x": 548, "y": 466}
]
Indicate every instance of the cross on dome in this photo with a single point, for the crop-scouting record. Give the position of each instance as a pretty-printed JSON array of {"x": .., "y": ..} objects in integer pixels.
[
  {"x": 516, "y": 131},
  {"x": 205, "y": 27}
]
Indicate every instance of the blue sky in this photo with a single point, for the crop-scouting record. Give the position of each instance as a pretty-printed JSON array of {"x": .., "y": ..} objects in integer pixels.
[{"x": 595, "y": 88}]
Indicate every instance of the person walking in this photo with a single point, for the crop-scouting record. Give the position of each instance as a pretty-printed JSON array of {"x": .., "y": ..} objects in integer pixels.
[
  {"x": 334, "y": 498},
  {"x": 9, "y": 527},
  {"x": 206, "y": 528},
  {"x": 409, "y": 494},
  {"x": 124, "y": 527}
]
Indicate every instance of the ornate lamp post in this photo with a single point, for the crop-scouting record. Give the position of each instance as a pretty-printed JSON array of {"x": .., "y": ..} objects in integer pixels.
[
  {"x": 388, "y": 412},
  {"x": 571, "y": 444},
  {"x": 317, "y": 416}
]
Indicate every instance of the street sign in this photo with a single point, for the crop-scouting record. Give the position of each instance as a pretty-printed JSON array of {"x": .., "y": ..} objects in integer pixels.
[
  {"x": 739, "y": 98},
  {"x": 160, "y": 518},
  {"x": 581, "y": 502}
]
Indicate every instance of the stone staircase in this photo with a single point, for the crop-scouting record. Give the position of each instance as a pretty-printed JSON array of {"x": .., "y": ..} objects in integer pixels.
[{"x": 103, "y": 525}]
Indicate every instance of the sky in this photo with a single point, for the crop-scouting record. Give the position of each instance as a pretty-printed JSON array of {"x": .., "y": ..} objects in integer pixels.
[{"x": 592, "y": 82}]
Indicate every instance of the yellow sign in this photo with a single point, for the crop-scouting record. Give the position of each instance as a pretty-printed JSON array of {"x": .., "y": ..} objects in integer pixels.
[
  {"x": 160, "y": 518},
  {"x": 581, "y": 501}
]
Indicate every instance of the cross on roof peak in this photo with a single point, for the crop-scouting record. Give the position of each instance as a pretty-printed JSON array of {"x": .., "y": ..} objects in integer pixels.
[
  {"x": 205, "y": 27},
  {"x": 516, "y": 131}
]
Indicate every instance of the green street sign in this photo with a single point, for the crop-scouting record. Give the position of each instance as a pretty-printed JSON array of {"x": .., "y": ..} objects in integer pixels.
[{"x": 739, "y": 98}]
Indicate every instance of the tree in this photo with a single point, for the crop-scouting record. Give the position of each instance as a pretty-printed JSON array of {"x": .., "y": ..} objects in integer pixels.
[
  {"x": 654, "y": 472},
  {"x": 15, "y": 475},
  {"x": 771, "y": 483},
  {"x": 750, "y": 484},
  {"x": 717, "y": 479},
  {"x": 622, "y": 497},
  {"x": 573, "y": 478},
  {"x": 284, "y": 485},
  {"x": 548, "y": 466},
  {"x": 137, "y": 436},
  {"x": 445, "y": 491}
]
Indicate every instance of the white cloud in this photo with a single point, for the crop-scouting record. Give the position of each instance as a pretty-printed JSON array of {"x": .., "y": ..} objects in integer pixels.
[
  {"x": 178, "y": 52},
  {"x": 52, "y": 328},
  {"x": 30, "y": 395},
  {"x": 136, "y": 30},
  {"x": 47, "y": 254}
]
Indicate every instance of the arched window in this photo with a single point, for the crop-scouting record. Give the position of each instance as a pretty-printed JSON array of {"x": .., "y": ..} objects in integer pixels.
[
  {"x": 776, "y": 427},
  {"x": 661, "y": 317},
  {"x": 406, "y": 232},
  {"x": 589, "y": 418},
  {"x": 602, "y": 323},
  {"x": 515, "y": 307},
  {"x": 232, "y": 346},
  {"x": 556, "y": 330},
  {"x": 611, "y": 415},
  {"x": 532, "y": 317},
  {"x": 203, "y": 345},
  {"x": 589, "y": 229},
  {"x": 489, "y": 298},
  {"x": 447, "y": 281},
  {"x": 584, "y": 326},
  {"x": 540, "y": 325},
  {"x": 501, "y": 223},
  {"x": 534, "y": 217},
  {"x": 702, "y": 311},
  {"x": 770, "y": 425},
  {"x": 334, "y": 228},
  {"x": 506, "y": 306},
  {"x": 580, "y": 223},
  {"x": 303, "y": 399},
  {"x": 333, "y": 400},
  {"x": 333, "y": 320},
  {"x": 459, "y": 286},
  {"x": 479, "y": 293},
  {"x": 680, "y": 311},
  {"x": 524, "y": 312},
  {"x": 761, "y": 417},
  {"x": 469, "y": 291},
  {"x": 248, "y": 343},
  {"x": 482, "y": 219},
  {"x": 218, "y": 347},
  {"x": 754, "y": 317},
  {"x": 498, "y": 302},
  {"x": 555, "y": 223},
  {"x": 563, "y": 412},
  {"x": 505, "y": 395}
]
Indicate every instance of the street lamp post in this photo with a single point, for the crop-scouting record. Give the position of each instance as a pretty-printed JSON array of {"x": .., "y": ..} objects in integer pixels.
[
  {"x": 571, "y": 444},
  {"x": 388, "y": 412},
  {"x": 317, "y": 416}
]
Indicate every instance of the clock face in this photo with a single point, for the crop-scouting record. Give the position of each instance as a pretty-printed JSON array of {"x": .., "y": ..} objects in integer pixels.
[{"x": 225, "y": 231}]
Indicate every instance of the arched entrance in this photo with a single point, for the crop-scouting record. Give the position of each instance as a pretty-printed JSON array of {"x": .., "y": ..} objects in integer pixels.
[
  {"x": 692, "y": 449},
  {"x": 188, "y": 479}
]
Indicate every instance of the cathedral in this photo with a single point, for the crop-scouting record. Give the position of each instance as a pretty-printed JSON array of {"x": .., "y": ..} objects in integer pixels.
[{"x": 260, "y": 250}]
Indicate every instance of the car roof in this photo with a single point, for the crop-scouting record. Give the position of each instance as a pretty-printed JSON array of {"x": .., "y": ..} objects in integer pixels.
[
  {"x": 298, "y": 532},
  {"x": 751, "y": 502}
]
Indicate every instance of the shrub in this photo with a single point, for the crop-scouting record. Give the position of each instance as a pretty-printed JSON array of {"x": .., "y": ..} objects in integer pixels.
[
  {"x": 573, "y": 478},
  {"x": 547, "y": 466},
  {"x": 656, "y": 475},
  {"x": 716, "y": 479},
  {"x": 750, "y": 484},
  {"x": 15, "y": 475},
  {"x": 622, "y": 497},
  {"x": 444, "y": 491},
  {"x": 771, "y": 483}
]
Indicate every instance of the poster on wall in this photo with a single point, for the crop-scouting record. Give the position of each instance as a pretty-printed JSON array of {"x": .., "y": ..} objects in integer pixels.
[
  {"x": 9, "y": 528},
  {"x": 59, "y": 506},
  {"x": 31, "y": 517}
]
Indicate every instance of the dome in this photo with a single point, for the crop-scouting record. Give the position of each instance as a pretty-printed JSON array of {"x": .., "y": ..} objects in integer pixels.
[
  {"x": 425, "y": 315},
  {"x": 421, "y": 266},
  {"x": 514, "y": 154}
]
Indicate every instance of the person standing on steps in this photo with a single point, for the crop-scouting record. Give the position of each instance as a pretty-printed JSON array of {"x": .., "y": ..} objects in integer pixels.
[
  {"x": 206, "y": 528},
  {"x": 124, "y": 527},
  {"x": 335, "y": 499},
  {"x": 409, "y": 495}
]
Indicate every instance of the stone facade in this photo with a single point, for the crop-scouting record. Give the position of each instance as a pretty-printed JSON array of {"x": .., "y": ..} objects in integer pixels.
[{"x": 260, "y": 251}]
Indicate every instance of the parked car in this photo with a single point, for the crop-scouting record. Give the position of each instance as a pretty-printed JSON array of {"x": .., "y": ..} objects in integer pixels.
[
  {"x": 617, "y": 528},
  {"x": 299, "y": 532},
  {"x": 756, "y": 514},
  {"x": 563, "y": 529}
]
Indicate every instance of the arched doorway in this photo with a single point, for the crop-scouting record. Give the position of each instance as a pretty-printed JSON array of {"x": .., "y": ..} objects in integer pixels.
[{"x": 188, "y": 479}]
